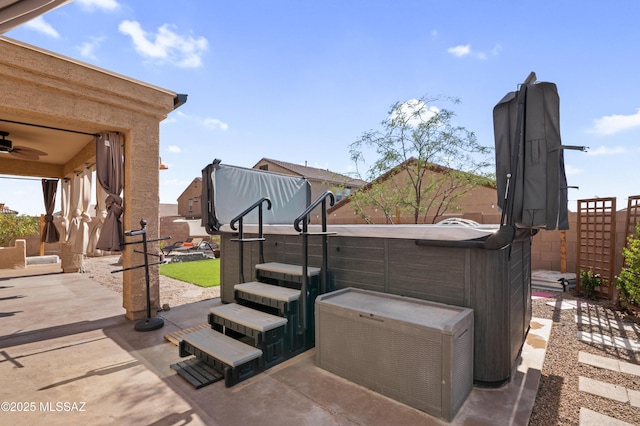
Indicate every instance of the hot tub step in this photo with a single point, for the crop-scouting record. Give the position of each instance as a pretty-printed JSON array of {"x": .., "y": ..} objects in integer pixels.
[
  {"x": 286, "y": 269},
  {"x": 264, "y": 331},
  {"x": 227, "y": 356},
  {"x": 224, "y": 348},
  {"x": 266, "y": 294},
  {"x": 246, "y": 317}
]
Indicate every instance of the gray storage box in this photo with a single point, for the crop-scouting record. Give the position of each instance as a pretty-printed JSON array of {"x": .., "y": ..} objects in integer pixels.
[{"x": 414, "y": 351}]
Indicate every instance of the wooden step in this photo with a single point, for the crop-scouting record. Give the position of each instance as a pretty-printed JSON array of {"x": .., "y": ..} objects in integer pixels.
[
  {"x": 247, "y": 317},
  {"x": 268, "y": 291},
  {"x": 197, "y": 372},
  {"x": 224, "y": 348},
  {"x": 286, "y": 269}
]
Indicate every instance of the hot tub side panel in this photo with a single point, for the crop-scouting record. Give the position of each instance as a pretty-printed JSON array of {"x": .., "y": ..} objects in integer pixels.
[{"x": 277, "y": 248}]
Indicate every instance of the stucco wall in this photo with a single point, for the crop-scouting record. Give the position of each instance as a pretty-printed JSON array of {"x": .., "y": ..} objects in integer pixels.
[
  {"x": 14, "y": 257},
  {"x": 48, "y": 89}
]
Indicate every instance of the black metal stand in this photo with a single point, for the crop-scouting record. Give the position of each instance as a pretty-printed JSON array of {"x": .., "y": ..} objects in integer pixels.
[{"x": 149, "y": 323}]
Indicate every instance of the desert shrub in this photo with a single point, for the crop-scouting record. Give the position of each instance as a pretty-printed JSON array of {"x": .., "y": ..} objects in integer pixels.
[
  {"x": 16, "y": 226},
  {"x": 589, "y": 282},
  {"x": 629, "y": 279}
]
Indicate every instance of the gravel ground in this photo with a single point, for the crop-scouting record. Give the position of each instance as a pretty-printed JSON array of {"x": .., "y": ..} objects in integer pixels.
[
  {"x": 559, "y": 401},
  {"x": 172, "y": 292}
]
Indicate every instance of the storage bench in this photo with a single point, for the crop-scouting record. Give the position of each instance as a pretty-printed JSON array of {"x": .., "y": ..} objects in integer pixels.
[{"x": 414, "y": 351}]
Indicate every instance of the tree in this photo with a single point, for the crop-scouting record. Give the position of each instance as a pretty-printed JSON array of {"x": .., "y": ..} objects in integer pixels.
[
  {"x": 425, "y": 163},
  {"x": 14, "y": 226}
]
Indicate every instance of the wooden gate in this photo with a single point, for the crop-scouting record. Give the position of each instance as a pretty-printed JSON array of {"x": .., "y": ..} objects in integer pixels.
[{"x": 597, "y": 241}]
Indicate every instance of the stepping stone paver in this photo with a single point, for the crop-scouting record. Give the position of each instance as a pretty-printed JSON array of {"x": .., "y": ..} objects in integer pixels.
[
  {"x": 592, "y": 418},
  {"x": 599, "y": 361},
  {"x": 634, "y": 397},
  {"x": 628, "y": 368},
  {"x": 604, "y": 322},
  {"x": 609, "y": 363},
  {"x": 616, "y": 342},
  {"x": 603, "y": 389}
]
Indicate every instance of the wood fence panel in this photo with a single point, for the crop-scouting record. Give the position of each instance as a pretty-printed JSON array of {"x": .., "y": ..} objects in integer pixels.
[{"x": 597, "y": 241}]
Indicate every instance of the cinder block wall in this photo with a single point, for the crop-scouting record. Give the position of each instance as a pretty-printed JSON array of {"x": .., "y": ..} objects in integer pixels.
[
  {"x": 178, "y": 231},
  {"x": 545, "y": 248}
]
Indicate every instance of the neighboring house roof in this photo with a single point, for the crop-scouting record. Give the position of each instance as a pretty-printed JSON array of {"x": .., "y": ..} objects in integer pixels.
[
  {"x": 6, "y": 210},
  {"x": 315, "y": 173},
  {"x": 436, "y": 168},
  {"x": 198, "y": 179}
]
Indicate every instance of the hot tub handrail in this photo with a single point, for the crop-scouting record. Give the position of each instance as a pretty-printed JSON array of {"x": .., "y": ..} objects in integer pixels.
[
  {"x": 304, "y": 216},
  {"x": 304, "y": 288},
  {"x": 241, "y": 239}
]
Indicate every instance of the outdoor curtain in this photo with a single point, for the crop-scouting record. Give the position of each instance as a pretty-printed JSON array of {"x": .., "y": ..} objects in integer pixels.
[
  {"x": 80, "y": 218},
  {"x": 50, "y": 233},
  {"x": 109, "y": 173},
  {"x": 64, "y": 207},
  {"x": 101, "y": 214}
]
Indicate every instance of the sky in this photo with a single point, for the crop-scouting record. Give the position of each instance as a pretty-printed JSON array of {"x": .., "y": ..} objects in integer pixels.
[{"x": 299, "y": 81}]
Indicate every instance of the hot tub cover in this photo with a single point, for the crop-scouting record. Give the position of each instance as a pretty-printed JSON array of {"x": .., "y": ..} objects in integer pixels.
[
  {"x": 229, "y": 190},
  {"x": 528, "y": 147}
]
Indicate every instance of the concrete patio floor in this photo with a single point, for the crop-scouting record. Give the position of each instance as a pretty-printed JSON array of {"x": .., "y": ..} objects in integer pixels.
[{"x": 69, "y": 356}]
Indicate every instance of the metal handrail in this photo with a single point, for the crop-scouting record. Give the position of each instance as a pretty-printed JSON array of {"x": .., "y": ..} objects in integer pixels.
[
  {"x": 240, "y": 219},
  {"x": 305, "y": 215},
  {"x": 304, "y": 290}
]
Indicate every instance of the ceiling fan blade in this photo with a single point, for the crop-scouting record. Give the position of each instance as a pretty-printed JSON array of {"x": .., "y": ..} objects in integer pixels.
[{"x": 26, "y": 153}]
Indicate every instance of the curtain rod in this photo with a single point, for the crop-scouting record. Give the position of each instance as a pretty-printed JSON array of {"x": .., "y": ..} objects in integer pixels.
[
  {"x": 23, "y": 178},
  {"x": 50, "y": 128}
]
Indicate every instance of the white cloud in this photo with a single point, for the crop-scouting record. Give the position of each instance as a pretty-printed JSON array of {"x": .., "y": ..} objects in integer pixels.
[
  {"x": 166, "y": 45},
  {"x": 40, "y": 25},
  {"x": 612, "y": 124},
  {"x": 214, "y": 123},
  {"x": 460, "y": 51},
  {"x": 414, "y": 112},
  {"x": 107, "y": 5},
  {"x": 174, "y": 149},
  {"x": 572, "y": 171},
  {"x": 88, "y": 47},
  {"x": 604, "y": 150},
  {"x": 434, "y": 33}
]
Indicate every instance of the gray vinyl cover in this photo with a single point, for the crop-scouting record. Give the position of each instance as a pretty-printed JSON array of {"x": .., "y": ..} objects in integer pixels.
[
  {"x": 539, "y": 186},
  {"x": 229, "y": 190}
]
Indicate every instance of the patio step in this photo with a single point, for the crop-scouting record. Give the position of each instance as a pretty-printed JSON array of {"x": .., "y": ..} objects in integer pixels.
[
  {"x": 269, "y": 295},
  {"x": 243, "y": 317},
  {"x": 284, "y": 273},
  {"x": 231, "y": 358},
  {"x": 277, "y": 300},
  {"x": 259, "y": 329}
]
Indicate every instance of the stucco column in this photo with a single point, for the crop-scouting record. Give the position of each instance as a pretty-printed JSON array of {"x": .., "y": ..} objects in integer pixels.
[{"x": 141, "y": 201}]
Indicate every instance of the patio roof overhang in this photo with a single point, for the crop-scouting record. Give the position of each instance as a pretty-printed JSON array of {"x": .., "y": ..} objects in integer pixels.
[
  {"x": 16, "y": 12},
  {"x": 52, "y": 92}
]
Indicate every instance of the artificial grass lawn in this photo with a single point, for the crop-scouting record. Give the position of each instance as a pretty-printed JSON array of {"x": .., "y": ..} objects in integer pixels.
[{"x": 203, "y": 273}]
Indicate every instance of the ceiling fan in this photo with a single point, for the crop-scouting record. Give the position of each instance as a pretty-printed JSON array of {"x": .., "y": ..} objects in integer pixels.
[{"x": 22, "y": 152}]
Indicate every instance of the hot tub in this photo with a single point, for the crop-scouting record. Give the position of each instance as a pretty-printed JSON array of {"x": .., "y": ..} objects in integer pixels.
[{"x": 430, "y": 262}]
